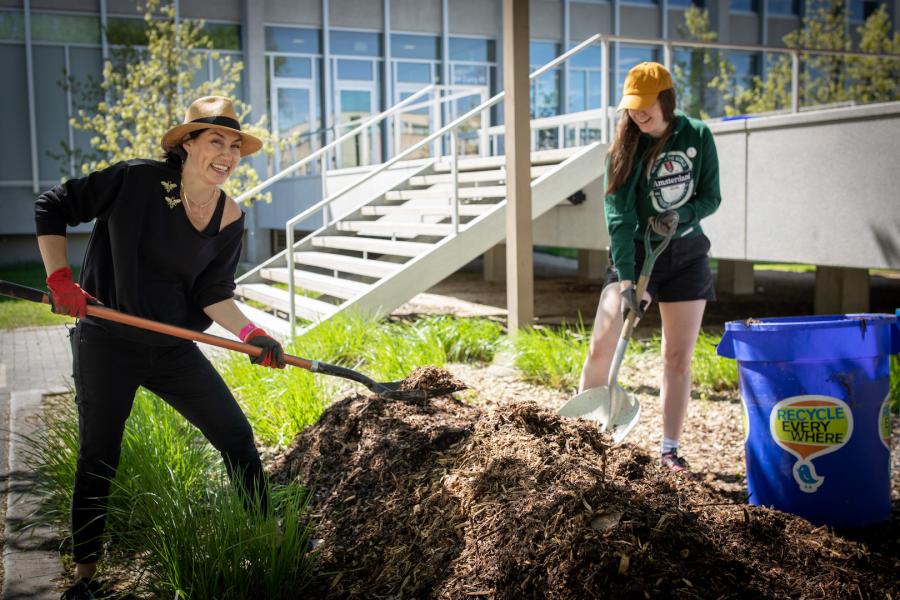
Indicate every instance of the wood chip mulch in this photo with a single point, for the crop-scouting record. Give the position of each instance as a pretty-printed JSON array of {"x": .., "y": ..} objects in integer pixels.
[{"x": 445, "y": 499}]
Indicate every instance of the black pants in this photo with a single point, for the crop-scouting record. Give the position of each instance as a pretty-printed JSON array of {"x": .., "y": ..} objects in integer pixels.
[{"x": 108, "y": 371}]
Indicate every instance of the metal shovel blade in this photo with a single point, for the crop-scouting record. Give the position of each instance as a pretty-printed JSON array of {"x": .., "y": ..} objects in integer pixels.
[{"x": 617, "y": 412}]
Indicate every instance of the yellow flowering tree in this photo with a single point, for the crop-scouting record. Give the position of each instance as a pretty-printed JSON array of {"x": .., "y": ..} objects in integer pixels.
[{"x": 146, "y": 88}]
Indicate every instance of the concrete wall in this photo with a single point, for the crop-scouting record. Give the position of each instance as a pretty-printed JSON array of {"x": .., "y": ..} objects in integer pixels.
[
  {"x": 471, "y": 17},
  {"x": 584, "y": 222},
  {"x": 779, "y": 27},
  {"x": 293, "y": 12},
  {"x": 419, "y": 15},
  {"x": 744, "y": 29},
  {"x": 639, "y": 21},
  {"x": 588, "y": 19},
  {"x": 352, "y": 13},
  {"x": 545, "y": 20}
]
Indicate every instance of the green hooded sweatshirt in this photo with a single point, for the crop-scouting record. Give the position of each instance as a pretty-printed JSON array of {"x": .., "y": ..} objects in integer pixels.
[{"x": 684, "y": 178}]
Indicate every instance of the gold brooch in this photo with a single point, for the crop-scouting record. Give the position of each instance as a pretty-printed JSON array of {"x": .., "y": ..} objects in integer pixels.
[{"x": 172, "y": 201}]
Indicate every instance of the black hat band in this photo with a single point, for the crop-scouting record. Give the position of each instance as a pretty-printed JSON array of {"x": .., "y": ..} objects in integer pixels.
[{"x": 220, "y": 120}]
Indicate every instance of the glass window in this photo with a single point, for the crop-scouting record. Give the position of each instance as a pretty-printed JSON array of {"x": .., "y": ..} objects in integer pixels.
[
  {"x": 545, "y": 95},
  {"x": 13, "y": 107},
  {"x": 86, "y": 66},
  {"x": 12, "y": 25},
  {"x": 292, "y": 39},
  {"x": 355, "y": 43},
  {"x": 589, "y": 57},
  {"x": 65, "y": 28},
  {"x": 746, "y": 65},
  {"x": 629, "y": 56},
  {"x": 50, "y": 104},
  {"x": 413, "y": 72},
  {"x": 647, "y": 2},
  {"x": 743, "y": 5},
  {"x": 576, "y": 97},
  {"x": 472, "y": 49},
  {"x": 415, "y": 46},
  {"x": 593, "y": 90},
  {"x": 540, "y": 53},
  {"x": 784, "y": 7},
  {"x": 470, "y": 75},
  {"x": 860, "y": 10},
  {"x": 126, "y": 31},
  {"x": 288, "y": 66},
  {"x": 224, "y": 36},
  {"x": 359, "y": 70},
  {"x": 686, "y": 3}
]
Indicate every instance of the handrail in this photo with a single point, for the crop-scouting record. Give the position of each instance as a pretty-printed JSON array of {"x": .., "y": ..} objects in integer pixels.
[{"x": 303, "y": 161}]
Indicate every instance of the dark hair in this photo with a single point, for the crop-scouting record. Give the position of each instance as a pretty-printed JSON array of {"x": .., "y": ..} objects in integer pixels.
[
  {"x": 624, "y": 146},
  {"x": 176, "y": 155}
]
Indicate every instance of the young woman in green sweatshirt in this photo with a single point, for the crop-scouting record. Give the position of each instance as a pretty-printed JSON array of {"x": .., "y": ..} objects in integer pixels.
[{"x": 661, "y": 164}]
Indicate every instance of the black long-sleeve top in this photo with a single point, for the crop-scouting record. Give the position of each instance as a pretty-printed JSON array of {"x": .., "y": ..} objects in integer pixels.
[{"x": 145, "y": 258}]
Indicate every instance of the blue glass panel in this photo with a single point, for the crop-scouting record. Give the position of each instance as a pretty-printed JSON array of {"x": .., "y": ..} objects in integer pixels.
[
  {"x": 647, "y": 2},
  {"x": 355, "y": 43},
  {"x": 414, "y": 72},
  {"x": 589, "y": 57},
  {"x": 746, "y": 65},
  {"x": 13, "y": 107},
  {"x": 286, "y": 66},
  {"x": 415, "y": 46},
  {"x": 358, "y": 70},
  {"x": 593, "y": 90},
  {"x": 743, "y": 5},
  {"x": 686, "y": 3},
  {"x": 472, "y": 49},
  {"x": 12, "y": 25},
  {"x": 65, "y": 28},
  {"x": 577, "y": 90},
  {"x": 356, "y": 101},
  {"x": 292, "y": 39},
  {"x": 470, "y": 75},
  {"x": 540, "y": 53}
]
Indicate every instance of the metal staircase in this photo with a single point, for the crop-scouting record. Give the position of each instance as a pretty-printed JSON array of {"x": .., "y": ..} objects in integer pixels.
[
  {"x": 385, "y": 249},
  {"x": 408, "y": 239}
]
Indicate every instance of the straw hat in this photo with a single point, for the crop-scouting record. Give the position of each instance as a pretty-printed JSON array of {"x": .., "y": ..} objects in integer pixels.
[
  {"x": 210, "y": 112},
  {"x": 643, "y": 84}
]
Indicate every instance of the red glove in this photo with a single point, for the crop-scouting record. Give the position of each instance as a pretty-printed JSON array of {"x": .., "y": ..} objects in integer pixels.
[
  {"x": 272, "y": 354},
  {"x": 66, "y": 296}
]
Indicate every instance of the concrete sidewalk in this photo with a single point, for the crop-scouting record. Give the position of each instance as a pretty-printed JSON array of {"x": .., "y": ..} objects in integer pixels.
[{"x": 34, "y": 362}]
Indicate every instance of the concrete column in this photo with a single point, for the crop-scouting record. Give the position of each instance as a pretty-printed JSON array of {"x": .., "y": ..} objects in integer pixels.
[
  {"x": 720, "y": 20},
  {"x": 254, "y": 75},
  {"x": 495, "y": 264},
  {"x": 841, "y": 290},
  {"x": 516, "y": 111},
  {"x": 735, "y": 277},
  {"x": 592, "y": 264}
]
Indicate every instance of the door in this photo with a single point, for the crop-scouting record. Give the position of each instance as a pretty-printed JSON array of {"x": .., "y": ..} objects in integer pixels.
[
  {"x": 472, "y": 140},
  {"x": 355, "y": 104}
]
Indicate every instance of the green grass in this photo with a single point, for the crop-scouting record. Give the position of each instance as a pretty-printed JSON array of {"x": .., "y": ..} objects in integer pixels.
[
  {"x": 279, "y": 404},
  {"x": 22, "y": 313},
  {"x": 172, "y": 512},
  {"x": 554, "y": 357}
]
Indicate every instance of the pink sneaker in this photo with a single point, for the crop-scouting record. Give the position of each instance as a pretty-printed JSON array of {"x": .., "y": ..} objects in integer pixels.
[{"x": 673, "y": 461}]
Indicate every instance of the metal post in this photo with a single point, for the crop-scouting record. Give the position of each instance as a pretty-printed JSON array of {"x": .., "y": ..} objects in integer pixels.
[
  {"x": 323, "y": 168},
  {"x": 667, "y": 56},
  {"x": 328, "y": 108},
  {"x": 292, "y": 310},
  {"x": 604, "y": 90},
  {"x": 795, "y": 82},
  {"x": 454, "y": 180}
]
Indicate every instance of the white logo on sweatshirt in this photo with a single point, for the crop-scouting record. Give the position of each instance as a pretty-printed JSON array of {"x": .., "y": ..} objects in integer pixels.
[{"x": 671, "y": 181}]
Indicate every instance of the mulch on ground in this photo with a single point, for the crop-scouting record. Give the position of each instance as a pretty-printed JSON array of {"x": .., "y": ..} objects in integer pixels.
[{"x": 446, "y": 499}]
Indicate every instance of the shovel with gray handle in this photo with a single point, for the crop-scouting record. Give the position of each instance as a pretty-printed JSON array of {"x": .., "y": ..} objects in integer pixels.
[{"x": 616, "y": 410}]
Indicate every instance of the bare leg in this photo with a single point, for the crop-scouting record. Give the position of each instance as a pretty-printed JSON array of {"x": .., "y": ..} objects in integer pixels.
[
  {"x": 85, "y": 570},
  {"x": 680, "y": 327}
]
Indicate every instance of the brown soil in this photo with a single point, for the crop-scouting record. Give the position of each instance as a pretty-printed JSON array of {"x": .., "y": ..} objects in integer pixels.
[{"x": 504, "y": 499}]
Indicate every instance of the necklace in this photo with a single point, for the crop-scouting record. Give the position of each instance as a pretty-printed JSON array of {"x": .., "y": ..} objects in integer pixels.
[{"x": 190, "y": 202}]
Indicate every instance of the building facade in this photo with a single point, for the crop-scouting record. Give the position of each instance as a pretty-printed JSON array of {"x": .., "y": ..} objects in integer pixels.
[{"x": 314, "y": 66}]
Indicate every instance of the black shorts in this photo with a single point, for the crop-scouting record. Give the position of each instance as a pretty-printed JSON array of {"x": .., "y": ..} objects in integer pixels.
[{"x": 680, "y": 274}]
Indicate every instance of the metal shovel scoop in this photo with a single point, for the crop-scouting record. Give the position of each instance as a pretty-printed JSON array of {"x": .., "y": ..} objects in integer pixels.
[
  {"x": 616, "y": 410},
  {"x": 389, "y": 389}
]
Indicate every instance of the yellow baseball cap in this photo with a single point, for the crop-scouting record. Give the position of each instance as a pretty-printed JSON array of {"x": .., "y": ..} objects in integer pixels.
[{"x": 643, "y": 84}]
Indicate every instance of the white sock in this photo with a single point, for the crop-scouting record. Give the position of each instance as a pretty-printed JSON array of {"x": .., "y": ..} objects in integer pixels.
[{"x": 668, "y": 445}]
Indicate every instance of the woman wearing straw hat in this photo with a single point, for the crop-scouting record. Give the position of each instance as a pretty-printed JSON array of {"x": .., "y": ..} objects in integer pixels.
[
  {"x": 165, "y": 246},
  {"x": 662, "y": 170}
]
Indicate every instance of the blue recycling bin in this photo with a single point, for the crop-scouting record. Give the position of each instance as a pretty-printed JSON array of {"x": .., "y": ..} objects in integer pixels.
[{"x": 815, "y": 393}]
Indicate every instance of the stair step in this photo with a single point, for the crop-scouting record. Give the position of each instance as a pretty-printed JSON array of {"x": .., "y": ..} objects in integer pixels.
[
  {"x": 375, "y": 245},
  {"x": 324, "y": 284},
  {"x": 402, "y": 229},
  {"x": 272, "y": 324},
  {"x": 487, "y": 191},
  {"x": 473, "y": 176},
  {"x": 305, "y": 308},
  {"x": 431, "y": 209},
  {"x": 347, "y": 264},
  {"x": 541, "y": 157}
]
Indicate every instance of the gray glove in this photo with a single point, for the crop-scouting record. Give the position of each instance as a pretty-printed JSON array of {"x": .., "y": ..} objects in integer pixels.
[
  {"x": 630, "y": 303},
  {"x": 664, "y": 223}
]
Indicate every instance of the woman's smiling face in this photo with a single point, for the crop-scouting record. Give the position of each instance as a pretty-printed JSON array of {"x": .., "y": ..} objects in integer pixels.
[
  {"x": 650, "y": 120},
  {"x": 214, "y": 154}
]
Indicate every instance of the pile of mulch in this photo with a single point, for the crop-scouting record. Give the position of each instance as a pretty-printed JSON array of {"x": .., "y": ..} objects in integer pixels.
[{"x": 442, "y": 499}]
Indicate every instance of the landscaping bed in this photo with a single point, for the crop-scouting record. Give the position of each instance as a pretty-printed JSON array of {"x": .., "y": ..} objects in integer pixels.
[{"x": 500, "y": 498}]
